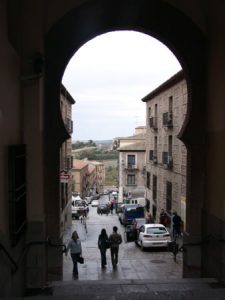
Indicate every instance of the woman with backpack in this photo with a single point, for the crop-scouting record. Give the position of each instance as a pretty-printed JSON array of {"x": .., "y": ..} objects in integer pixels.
[{"x": 103, "y": 245}]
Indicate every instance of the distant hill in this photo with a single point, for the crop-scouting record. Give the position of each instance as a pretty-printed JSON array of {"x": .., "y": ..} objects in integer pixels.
[
  {"x": 96, "y": 142},
  {"x": 103, "y": 142}
]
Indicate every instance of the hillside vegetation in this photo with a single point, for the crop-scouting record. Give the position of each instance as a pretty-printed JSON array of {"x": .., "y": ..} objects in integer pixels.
[
  {"x": 111, "y": 173},
  {"x": 96, "y": 154},
  {"x": 79, "y": 144}
]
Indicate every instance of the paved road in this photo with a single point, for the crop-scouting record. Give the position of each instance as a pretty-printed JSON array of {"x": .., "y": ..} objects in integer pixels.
[{"x": 133, "y": 263}]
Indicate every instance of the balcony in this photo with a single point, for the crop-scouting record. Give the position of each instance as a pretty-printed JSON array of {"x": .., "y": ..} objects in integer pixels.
[
  {"x": 130, "y": 166},
  {"x": 168, "y": 119},
  {"x": 153, "y": 123},
  {"x": 153, "y": 156},
  {"x": 167, "y": 160},
  {"x": 69, "y": 162},
  {"x": 69, "y": 125}
]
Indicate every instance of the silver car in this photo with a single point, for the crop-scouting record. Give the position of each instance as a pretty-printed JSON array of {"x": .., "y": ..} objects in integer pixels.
[{"x": 153, "y": 235}]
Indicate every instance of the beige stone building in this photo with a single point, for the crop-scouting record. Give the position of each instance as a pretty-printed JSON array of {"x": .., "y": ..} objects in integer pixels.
[
  {"x": 131, "y": 165},
  {"x": 91, "y": 178},
  {"x": 166, "y": 155},
  {"x": 66, "y": 160},
  {"x": 99, "y": 183},
  {"x": 80, "y": 175}
]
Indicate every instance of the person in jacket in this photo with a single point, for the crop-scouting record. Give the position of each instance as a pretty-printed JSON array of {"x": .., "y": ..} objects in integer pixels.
[
  {"x": 163, "y": 219},
  {"x": 103, "y": 245},
  {"x": 75, "y": 248},
  {"x": 177, "y": 224},
  {"x": 115, "y": 240}
]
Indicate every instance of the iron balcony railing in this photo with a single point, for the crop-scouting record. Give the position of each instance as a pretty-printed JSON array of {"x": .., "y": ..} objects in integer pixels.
[
  {"x": 167, "y": 119},
  {"x": 167, "y": 160},
  {"x": 153, "y": 122}
]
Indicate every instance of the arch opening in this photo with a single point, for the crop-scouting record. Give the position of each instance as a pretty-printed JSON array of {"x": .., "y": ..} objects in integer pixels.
[{"x": 111, "y": 69}]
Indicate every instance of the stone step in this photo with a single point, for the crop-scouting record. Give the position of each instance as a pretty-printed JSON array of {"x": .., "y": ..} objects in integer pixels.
[{"x": 185, "y": 289}]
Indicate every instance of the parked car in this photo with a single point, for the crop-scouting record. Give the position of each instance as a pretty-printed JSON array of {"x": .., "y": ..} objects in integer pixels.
[
  {"x": 95, "y": 203},
  {"x": 119, "y": 208},
  {"x": 78, "y": 207},
  {"x": 153, "y": 235},
  {"x": 103, "y": 208},
  {"x": 88, "y": 199},
  {"x": 115, "y": 195},
  {"x": 95, "y": 197}
]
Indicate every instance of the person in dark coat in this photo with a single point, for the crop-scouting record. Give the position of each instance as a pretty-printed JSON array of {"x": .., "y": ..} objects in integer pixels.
[
  {"x": 111, "y": 207},
  {"x": 103, "y": 245},
  {"x": 115, "y": 240},
  {"x": 177, "y": 223}
]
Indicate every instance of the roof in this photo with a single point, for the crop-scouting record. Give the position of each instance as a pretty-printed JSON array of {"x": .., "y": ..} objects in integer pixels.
[
  {"x": 138, "y": 146},
  {"x": 140, "y": 136},
  {"x": 140, "y": 127},
  {"x": 66, "y": 94},
  {"x": 79, "y": 164},
  {"x": 96, "y": 163},
  {"x": 166, "y": 85}
]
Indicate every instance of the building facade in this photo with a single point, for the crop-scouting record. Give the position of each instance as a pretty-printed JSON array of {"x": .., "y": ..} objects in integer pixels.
[
  {"x": 98, "y": 186},
  {"x": 166, "y": 155},
  {"x": 66, "y": 161},
  {"x": 91, "y": 178},
  {"x": 80, "y": 175},
  {"x": 131, "y": 165}
]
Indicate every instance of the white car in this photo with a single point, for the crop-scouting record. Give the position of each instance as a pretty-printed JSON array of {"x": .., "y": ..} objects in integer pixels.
[
  {"x": 88, "y": 199},
  {"x": 95, "y": 203},
  {"x": 153, "y": 235}
]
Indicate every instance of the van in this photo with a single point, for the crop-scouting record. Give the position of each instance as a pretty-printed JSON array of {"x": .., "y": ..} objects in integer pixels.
[
  {"x": 130, "y": 212},
  {"x": 140, "y": 201},
  {"x": 78, "y": 207}
]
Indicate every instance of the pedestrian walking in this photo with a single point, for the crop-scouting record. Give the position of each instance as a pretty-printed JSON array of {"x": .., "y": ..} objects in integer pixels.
[
  {"x": 163, "y": 219},
  {"x": 87, "y": 210},
  {"x": 111, "y": 207},
  {"x": 103, "y": 245},
  {"x": 115, "y": 240},
  {"x": 177, "y": 223},
  {"x": 75, "y": 248},
  {"x": 149, "y": 219}
]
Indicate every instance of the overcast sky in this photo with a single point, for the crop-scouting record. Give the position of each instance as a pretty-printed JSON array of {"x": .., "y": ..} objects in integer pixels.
[{"x": 108, "y": 77}]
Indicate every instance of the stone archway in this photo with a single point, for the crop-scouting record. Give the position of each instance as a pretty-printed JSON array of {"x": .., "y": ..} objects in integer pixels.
[{"x": 177, "y": 32}]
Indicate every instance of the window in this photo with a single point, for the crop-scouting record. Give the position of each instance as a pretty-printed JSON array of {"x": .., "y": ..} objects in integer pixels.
[
  {"x": 170, "y": 144},
  {"x": 154, "y": 192},
  {"x": 131, "y": 160},
  {"x": 151, "y": 154},
  {"x": 156, "y": 110},
  {"x": 171, "y": 104},
  {"x": 155, "y": 143},
  {"x": 148, "y": 180},
  {"x": 168, "y": 196},
  {"x": 131, "y": 179},
  {"x": 149, "y": 112}
]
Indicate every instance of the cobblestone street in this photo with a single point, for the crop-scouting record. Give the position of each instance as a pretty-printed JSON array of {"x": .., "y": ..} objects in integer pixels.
[{"x": 133, "y": 263}]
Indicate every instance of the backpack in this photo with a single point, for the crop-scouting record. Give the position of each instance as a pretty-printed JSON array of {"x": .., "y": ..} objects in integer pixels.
[{"x": 103, "y": 242}]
